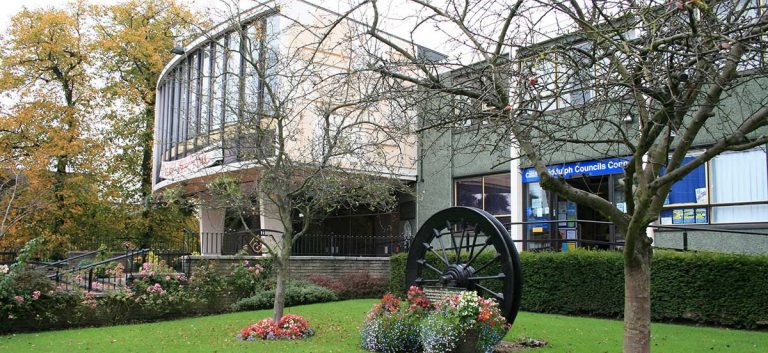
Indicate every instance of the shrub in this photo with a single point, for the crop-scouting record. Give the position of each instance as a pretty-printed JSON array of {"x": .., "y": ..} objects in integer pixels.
[
  {"x": 297, "y": 293},
  {"x": 710, "y": 288},
  {"x": 356, "y": 286},
  {"x": 207, "y": 285},
  {"x": 245, "y": 279}
]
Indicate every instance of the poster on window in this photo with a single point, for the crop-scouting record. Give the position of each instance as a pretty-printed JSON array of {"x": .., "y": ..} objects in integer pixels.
[
  {"x": 677, "y": 216},
  {"x": 701, "y": 195},
  {"x": 689, "y": 216},
  {"x": 701, "y": 215}
]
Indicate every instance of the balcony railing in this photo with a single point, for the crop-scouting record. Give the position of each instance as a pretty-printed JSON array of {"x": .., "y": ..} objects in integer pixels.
[{"x": 347, "y": 245}]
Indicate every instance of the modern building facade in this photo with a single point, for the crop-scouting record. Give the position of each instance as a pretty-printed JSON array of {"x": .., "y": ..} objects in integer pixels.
[
  {"x": 720, "y": 206},
  {"x": 216, "y": 115}
]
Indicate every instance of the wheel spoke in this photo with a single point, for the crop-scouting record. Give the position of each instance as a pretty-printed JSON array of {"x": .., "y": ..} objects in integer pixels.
[
  {"x": 474, "y": 243},
  {"x": 449, "y": 227},
  {"x": 429, "y": 247},
  {"x": 461, "y": 240},
  {"x": 424, "y": 263},
  {"x": 487, "y": 242},
  {"x": 483, "y": 267},
  {"x": 499, "y": 296},
  {"x": 422, "y": 280},
  {"x": 480, "y": 278},
  {"x": 442, "y": 246}
]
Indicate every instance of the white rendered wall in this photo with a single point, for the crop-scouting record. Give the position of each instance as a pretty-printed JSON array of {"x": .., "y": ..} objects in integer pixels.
[
  {"x": 516, "y": 184},
  {"x": 211, "y": 230}
]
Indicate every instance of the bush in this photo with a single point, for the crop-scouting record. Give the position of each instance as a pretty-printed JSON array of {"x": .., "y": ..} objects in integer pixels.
[
  {"x": 208, "y": 286},
  {"x": 701, "y": 287},
  {"x": 357, "y": 286},
  {"x": 245, "y": 279},
  {"x": 297, "y": 293}
]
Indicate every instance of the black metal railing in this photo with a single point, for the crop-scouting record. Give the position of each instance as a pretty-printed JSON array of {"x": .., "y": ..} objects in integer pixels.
[
  {"x": 551, "y": 239},
  {"x": 248, "y": 242},
  {"x": 8, "y": 256},
  {"x": 99, "y": 276},
  {"x": 347, "y": 245}
]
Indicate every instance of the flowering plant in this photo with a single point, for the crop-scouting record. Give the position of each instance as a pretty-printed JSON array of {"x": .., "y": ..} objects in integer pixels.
[
  {"x": 288, "y": 327},
  {"x": 459, "y": 316},
  {"x": 245, "y": 279},
  {"x": 393, "y": 324}
]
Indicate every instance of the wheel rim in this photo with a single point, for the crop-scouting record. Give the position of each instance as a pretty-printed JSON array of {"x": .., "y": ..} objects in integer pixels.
[{"x": 465, "y": 248}]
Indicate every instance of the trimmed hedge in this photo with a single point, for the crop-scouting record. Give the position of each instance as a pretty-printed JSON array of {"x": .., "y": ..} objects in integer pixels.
[{"x": 710, "y": 288}]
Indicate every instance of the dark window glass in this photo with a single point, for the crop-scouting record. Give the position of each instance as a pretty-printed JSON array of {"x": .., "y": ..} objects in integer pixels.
[
  {"x": 498, "y": 197},
  {"x": 469, "y": 192}
]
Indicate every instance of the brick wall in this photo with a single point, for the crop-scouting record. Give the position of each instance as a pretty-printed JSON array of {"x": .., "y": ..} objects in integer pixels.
[{"x": 303, "y": 267}]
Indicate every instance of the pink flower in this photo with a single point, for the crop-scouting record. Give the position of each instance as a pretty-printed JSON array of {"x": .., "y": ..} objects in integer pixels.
[
  {"x": 167, "y": 278},
  {"x": 36, "y": 295},
  {"x": 19, "y": 299}
]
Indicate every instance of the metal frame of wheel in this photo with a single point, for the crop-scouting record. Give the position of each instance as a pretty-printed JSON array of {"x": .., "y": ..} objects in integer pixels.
[{"x": 458, "y": 270}]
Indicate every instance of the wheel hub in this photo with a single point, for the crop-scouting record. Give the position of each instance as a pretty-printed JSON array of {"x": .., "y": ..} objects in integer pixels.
[{"x": 457, "y": 275}]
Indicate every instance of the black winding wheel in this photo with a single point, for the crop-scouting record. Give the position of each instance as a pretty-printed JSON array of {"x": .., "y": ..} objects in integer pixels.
[{"x": 446, "y": 253}]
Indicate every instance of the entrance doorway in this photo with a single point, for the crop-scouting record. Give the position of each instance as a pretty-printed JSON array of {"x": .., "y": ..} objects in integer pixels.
[
  {"x": 564, "y": 224},
  {"x": 593, "y": 226}
]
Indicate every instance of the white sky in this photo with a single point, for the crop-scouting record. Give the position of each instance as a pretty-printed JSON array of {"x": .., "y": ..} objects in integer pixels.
[{"x": 8, "y": 8}]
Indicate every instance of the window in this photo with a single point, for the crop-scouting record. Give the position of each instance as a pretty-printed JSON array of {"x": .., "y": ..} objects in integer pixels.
[
  {"x": 194, "y": 100},
  {"x": 233, "y": 78},
  {"x": 252, "y": 62},
  {"x": 205, "y": 93},
  {"x": 739, "y": 178},
  {"x": 537, "y": 209},
  {"x": 564, "y": 78},
  {"x": 219, "y": 53},
  {"x": 736, "y": 191},
  {"x": 692, "y": 188},
  {"x": 181, "y": 137},
  {"x": 492, "y": 193}
]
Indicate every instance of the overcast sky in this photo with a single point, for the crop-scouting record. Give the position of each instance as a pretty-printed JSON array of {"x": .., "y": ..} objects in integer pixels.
[{"x": 397, "y": 9}]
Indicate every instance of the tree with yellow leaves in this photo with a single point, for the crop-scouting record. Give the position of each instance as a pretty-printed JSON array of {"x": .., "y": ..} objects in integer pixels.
[
  {"x": 134, "y": 41},
  {"x": 48, "y": 134}
]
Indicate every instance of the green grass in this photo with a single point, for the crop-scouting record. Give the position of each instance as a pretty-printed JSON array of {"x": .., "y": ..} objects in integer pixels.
[{"x": 337, "y": 325}]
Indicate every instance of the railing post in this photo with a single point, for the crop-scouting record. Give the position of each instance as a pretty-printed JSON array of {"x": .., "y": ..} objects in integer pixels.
[
  {"x": 685, "y": 240},
  {"x": 90, "y": 279}
]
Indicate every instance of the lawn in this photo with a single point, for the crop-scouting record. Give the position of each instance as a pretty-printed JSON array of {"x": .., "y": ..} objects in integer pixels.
[{"x": 337, "y": 325}]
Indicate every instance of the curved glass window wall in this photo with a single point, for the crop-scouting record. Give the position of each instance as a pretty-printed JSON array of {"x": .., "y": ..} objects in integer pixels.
[{"x": 207, "y": 100}]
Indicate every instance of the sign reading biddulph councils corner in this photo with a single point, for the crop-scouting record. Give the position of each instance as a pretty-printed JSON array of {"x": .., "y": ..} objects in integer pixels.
[
  {"x": 589, "y": 168},
  {"x": 191, "y": 163}
]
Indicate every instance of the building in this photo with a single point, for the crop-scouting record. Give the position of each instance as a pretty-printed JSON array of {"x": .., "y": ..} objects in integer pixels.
[
  {"x": 720, "y": 206},
  {"x": 224, "y": 103}
]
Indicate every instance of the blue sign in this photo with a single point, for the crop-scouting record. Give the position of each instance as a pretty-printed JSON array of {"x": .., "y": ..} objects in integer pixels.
[{"x": 588, "y": 168}]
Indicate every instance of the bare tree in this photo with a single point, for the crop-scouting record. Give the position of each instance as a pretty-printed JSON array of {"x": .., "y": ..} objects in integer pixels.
[
  {"x": 651, "y": 80},
  {"x": 309, "y": 125}
]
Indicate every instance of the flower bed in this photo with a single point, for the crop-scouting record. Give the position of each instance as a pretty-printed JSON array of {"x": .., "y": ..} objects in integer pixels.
[
  {"x": 289, "y": 327},
  {"x": 458, "y": 323}
]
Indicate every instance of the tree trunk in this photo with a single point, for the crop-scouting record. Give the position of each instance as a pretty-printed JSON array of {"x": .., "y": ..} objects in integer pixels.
[
  {"x": 637, "y": 297},
  {"x": 283, "y": 265},
  {"x": 146, "y": 151},
  {"x": 146, "y": 173},
  {"x": 282, "y": 281}
]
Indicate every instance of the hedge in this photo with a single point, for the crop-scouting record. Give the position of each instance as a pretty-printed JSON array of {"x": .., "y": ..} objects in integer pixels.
[{"x": 709, "y": 288}]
